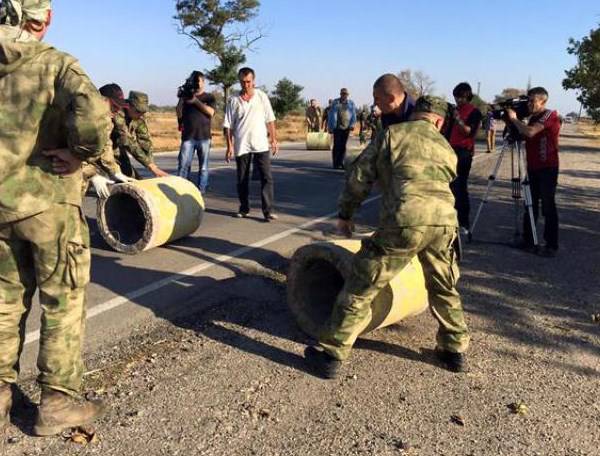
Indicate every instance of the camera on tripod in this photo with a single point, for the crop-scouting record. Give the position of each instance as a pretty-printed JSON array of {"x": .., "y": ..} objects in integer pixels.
[
  {"x": 519, "y": 105},
  {"x": 190, "y": 86}
]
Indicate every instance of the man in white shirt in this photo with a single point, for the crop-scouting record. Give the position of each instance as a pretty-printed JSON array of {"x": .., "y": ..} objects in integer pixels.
[{"x": 249, "y": 131}]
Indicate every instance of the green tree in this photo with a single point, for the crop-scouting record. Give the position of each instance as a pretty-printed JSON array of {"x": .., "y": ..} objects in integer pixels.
[
  {"x": 286, "y": 98},
  {"x": 585, "y": 76},
  {"x": 211, "y": 25},
  {"x": 508, "y": 93}
]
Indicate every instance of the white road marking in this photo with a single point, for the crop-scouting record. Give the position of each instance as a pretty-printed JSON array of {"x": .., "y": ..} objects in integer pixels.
[{"x": 115, "y": 302}]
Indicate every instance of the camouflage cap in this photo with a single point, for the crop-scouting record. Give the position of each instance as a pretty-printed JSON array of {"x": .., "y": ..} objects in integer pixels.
[
  {"x": 114, "y": 93},
  {"x": 16, "y": 12},
  {"x": 435, "y": 105},
  {"x": 139, "y": 100}
]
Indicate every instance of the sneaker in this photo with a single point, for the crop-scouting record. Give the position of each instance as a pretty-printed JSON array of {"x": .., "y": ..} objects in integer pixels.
[
  {"x": 5, "y": 403},
  {"x": 59, "y": 411},
  {"x": 241, "y": 215},
  {"x": 454, "y": 362},
  {"x": 322, "y": 363},
  {"x": 270, "y": 216}
]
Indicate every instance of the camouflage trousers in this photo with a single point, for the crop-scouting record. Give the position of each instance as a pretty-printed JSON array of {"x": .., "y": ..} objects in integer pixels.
[
  {"x": 49, "y": 251},
  {"x": 380, "y": 259}
]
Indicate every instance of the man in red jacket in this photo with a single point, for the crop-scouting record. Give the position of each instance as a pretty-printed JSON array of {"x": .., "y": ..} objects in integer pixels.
[
  {"x": 541, "y": 142},
  {"x": 461, "y": 135}
]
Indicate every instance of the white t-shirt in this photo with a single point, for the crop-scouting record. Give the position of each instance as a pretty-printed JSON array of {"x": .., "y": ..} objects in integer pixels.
[{"x": 248, "y": 122}]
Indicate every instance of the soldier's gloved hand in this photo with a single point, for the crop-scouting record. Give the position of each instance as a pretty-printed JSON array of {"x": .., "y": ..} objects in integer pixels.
[
  {"x": 100, "y": 184},
  {"x": 120, "y": 177}
]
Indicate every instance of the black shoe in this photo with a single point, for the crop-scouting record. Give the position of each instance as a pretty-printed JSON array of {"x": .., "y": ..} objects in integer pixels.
[
  {"x": 454, "y": 362},
  {"x": 270, "y": 216},
  {"x": 322, "y": 364},
  {"x": 526, "y": 247}
]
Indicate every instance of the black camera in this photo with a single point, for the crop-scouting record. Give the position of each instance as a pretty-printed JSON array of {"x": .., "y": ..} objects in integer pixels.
[
  {"x": 519, "y": 105},
  {"x": 190, "y": 86}
]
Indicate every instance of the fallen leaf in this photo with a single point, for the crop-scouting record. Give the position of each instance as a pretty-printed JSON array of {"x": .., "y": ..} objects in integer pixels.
[
  {"x": 518, "y": 408},
  {"x": 457, "y": 419}
]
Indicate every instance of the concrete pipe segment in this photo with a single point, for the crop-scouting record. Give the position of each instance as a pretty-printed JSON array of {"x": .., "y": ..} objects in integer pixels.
[
  {"x": 317, "y": 141},
  {"x": 143, "y": 214},
  {"x": 317, "y": 274}
]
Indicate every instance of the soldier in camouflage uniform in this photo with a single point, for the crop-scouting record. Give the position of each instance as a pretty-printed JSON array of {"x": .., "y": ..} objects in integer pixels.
[
  {"x": 130, "y": 135},
  {"x": 413, "y": 165},
  {"x": 105, "y": 170},
  {"x": 314, "y": 116},
  {"x": 52, "y": 119}
]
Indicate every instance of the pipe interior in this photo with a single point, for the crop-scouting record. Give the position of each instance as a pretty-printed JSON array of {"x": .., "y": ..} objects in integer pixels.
[
  {"x": 125, "y": 218},
  {"x": 321, "y": 282}
]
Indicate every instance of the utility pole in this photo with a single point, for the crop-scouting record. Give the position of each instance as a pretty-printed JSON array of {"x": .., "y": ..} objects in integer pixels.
[{"x": 478, "y": 87}]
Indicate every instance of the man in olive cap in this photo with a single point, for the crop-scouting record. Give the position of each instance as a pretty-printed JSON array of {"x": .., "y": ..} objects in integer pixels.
[
  {"x": 141, "y": 143},
  {"x": 53, "y": 118},
  {"x": 413, "y": 165},
  {"x": 130, "y": 134}
]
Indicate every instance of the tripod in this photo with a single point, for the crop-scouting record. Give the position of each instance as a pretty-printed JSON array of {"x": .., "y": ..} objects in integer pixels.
[{"x": 519, "y": 179}]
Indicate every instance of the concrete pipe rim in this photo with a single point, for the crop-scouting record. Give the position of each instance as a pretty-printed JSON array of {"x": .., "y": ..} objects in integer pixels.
[{"x": 136, "y": 194}]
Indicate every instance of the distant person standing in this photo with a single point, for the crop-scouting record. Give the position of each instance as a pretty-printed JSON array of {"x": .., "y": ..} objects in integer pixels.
[
  {"x": 461, "y": 135},
  {"x": 314, "y": 116},
  {"x": 194, "y": 114},
  {"x": 490, "y": 132},
  {"x": 341, "y": 120},
  {"x": 249, "y": 126},
  {"x": 326, "y": 116}
]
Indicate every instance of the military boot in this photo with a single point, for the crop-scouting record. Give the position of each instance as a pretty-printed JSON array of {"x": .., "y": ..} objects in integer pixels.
[
  {"x": 59, "y": 411},
  {"x": 5, "y": 403}
]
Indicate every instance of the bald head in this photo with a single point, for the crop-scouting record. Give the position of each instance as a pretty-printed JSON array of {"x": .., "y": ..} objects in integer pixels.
[
  {"x": 389, "y": 84},
  {"x": 388, "y": 93}
]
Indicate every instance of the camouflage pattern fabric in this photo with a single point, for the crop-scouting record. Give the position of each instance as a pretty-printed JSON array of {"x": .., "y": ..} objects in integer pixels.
[
  {"x": 378, "y": 261},
  {"x": 314, "y": 118},
  {"x": 131, "y": 136},
  {"x": 48, "y": 91},
  {"x": 105, "y": 165},
  {"x": 413, "y": 165},
  {"x": 50, "y": 250},
  {"x": 46, "y": 102},
  {"x": 16, "y": 12},
  {"x": 139, "y": 100}
]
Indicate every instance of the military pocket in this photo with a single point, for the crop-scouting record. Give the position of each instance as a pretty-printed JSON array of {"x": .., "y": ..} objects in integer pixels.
[{"x": 78, "y": 264}]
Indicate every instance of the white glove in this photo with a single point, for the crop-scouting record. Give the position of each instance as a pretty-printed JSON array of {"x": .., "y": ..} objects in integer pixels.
[
  {"x": 100, "y": 184},
  {"x": 120, "y": 177}
]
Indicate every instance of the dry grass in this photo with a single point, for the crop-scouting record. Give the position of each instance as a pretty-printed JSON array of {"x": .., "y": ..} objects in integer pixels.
[{"x": 166, "y": 137}]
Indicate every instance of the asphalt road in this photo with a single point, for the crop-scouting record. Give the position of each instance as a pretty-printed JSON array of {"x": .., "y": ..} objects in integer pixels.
[{"x": 126, "y": 291}]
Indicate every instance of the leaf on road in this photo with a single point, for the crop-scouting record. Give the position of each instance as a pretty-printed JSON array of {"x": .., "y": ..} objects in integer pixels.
[
  {"x": 457, "y": 419},
  {"x": 83, "y": 436},
  {"x": 518, "y": 408}
]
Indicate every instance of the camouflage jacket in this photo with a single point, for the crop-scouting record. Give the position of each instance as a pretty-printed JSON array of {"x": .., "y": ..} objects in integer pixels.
[
  {"x": 46, "y": 102},
  {"x": 314, "y": 116},
  {"x": 132, "y": 136},
  {"x": 106, "y": 163},
  {"x": 413, "y": 165}
]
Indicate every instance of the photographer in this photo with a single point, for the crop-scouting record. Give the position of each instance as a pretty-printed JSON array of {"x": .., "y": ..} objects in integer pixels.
[
  {"x": 195, "y": 111},
  {"x": 541, "y": 142},
  {"x": 461, "y": 136}
]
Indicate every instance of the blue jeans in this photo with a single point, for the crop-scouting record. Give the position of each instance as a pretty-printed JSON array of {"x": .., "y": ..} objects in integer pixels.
[{"x": 186, "y": 157}]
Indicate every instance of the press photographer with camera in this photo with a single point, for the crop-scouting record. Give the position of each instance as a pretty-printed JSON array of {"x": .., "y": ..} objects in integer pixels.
[
  {"x": 195, "y": 111},
  {"x": 541, "y": 143},
  {"x": 461, "y": 132}
]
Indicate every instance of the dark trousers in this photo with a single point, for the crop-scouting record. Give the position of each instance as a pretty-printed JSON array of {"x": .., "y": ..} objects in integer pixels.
[
  {"x": 126, "y": 167},
  {"x": 460, "y": 187},
  {"x": 340, "y": 139},
  {"x": 543, "y": 187},
  {"x": 262, "y": 162}
]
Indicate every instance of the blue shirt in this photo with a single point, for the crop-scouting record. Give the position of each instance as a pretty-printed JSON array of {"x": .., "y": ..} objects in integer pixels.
[{"x": 332, "y": 117}]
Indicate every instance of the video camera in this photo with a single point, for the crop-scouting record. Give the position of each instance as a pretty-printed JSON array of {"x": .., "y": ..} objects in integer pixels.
[
  {"x": 190, "y": 86},
  {"x": 519, "y": 105}
]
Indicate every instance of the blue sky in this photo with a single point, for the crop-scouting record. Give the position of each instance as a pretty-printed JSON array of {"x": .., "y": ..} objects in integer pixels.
[{"x": 326, "y": 44}]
